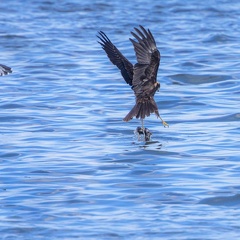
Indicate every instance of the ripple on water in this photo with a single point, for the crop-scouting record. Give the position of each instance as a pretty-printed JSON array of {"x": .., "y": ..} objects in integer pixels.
[
  {"x": 11, "y": 106},
  {"x": 219, "y": 38},
  {"x": 198, "y": 79},
  {"x": 233, "y": 201}
]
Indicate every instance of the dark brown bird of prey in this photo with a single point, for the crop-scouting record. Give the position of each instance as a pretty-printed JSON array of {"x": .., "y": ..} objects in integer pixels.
[
  {"x": 4, "y": 70},
  {"x": 142, "y": 77}
]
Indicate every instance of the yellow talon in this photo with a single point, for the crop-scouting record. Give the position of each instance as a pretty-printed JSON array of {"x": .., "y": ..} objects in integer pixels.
[{"x": 165, "y": 124}]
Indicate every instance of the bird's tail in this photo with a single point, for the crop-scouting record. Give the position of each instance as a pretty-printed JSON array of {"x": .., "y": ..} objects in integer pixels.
[{"x": 142, "y": 110}]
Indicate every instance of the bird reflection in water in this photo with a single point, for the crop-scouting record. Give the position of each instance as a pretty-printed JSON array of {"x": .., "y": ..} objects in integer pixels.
[{"x": 145, "y": 132}]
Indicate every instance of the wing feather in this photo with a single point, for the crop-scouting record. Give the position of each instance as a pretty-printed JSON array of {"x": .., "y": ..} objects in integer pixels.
[
  {"x": 148, "y": 60},
  {"x": 116, "y": 57}
]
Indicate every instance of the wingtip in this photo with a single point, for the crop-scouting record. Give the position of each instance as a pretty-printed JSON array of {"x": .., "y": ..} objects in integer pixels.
[
  {"x": 103, "y": 37},
  {"x": 143, "y": 28},
  {"x": 132, "y": 41}
]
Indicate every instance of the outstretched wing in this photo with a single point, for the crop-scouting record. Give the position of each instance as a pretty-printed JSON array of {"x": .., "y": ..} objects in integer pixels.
[
  {"x": 148, "y": 60},
  {"x": 117, "y": 58},
  {"x": 4, "y": 70}
]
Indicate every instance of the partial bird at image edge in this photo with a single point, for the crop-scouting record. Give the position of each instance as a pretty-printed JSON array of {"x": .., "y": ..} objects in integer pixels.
[{"x": 4, "y": 70}]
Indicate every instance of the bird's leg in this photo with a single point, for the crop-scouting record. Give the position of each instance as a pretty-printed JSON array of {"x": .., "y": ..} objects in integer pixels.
[
  {"x": 163, "y": 122},
  {"x": 142, "y": 129},
  {"x": 142, "y": 121}
]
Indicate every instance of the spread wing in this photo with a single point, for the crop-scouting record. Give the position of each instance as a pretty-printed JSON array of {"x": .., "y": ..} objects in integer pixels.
[
  {"x": 148, "y": 60},
  {"x": 117, "y": 58},
  {"x": 4, "y": 70}
]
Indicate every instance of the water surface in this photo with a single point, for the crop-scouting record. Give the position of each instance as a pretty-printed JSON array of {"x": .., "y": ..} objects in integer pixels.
[{"x": 72, "y": 169}]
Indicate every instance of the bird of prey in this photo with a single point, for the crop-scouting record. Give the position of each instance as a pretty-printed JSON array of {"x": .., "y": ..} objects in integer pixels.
[
  {"x": 142, "y": 76},
  {"x": 4, "y": 70}
]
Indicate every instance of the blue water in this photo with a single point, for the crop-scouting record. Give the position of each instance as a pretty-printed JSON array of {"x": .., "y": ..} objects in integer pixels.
[{"x": 72, "y": 169}]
